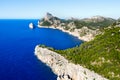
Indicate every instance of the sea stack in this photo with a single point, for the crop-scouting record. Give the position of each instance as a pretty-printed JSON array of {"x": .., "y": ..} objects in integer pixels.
[{"x": 31, "y": 26}]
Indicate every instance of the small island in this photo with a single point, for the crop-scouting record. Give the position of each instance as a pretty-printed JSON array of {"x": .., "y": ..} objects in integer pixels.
[{"x": 31, "y": 26}]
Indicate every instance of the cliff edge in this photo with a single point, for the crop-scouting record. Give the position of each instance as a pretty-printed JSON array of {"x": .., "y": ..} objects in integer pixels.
[{"x": 63, "y": 68}]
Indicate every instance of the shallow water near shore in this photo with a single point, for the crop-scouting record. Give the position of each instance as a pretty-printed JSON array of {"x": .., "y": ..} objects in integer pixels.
[{"x": 17, "y": 43}]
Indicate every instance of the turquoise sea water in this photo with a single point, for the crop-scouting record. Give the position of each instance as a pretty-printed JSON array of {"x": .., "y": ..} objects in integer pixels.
[{"x": 17, "y": 43}]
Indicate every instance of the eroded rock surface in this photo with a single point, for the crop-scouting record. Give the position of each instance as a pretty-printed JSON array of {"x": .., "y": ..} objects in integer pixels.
[{"x": 63, "y": 68}]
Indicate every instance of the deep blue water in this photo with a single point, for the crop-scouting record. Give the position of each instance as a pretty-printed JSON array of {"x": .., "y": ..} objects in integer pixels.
[{"x": 17, "y": 43}]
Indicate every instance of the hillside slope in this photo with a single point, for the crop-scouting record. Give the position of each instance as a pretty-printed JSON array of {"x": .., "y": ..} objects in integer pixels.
[{"x": 101, "y": 54}]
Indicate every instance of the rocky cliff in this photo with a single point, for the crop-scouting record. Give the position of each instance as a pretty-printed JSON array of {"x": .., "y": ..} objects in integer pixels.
[
  {"x": 101, "y": 55},
  {"x": 63, "y": 68},
  {"x": 85, "y": 29},
  {"x": 69, "y": 26}
]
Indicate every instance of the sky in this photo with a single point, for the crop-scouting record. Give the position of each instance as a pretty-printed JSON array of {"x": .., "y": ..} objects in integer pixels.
[{"x": 35, "y": 9}]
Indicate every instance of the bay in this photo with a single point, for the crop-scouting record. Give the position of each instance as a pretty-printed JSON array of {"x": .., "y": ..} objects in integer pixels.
[{"x": 17, "y": 43}]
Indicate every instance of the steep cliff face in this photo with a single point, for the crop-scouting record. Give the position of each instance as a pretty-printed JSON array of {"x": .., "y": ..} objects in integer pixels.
[
  {"x": 63, "y": 68},
  {"x": 49, "y": 20}
]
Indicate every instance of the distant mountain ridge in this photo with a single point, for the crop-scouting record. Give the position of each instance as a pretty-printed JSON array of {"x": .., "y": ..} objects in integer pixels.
[
  {"x": 96, "y": 19},
  {"x": 94, "y": 22}
]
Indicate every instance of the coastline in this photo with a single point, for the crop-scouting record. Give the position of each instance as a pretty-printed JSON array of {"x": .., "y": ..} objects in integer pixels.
[
  {"x": 84, "y": 31},
  {"x": 76, "y": 32},
  {"x": 63, "y": 68}
]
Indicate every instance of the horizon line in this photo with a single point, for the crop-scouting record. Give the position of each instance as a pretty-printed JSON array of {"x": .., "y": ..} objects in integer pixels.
[
  {"x": 17, "y": 18},
  {"x": 64, "y": 17}
]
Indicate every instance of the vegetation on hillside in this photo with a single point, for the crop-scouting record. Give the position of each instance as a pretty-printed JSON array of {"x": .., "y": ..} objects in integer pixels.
[
  {"x": 101, "y": 55},
  {"x": 93, "y": 25},
  {"x": 78, "y": 23},
  {"x": 45, "y": 23}
]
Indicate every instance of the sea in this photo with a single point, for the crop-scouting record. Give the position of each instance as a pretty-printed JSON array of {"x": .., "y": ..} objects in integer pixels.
[{"x": 17, "y": 45}]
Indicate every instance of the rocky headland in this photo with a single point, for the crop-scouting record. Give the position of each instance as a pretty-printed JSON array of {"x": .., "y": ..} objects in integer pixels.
[
  {"x": 64, "y": 69},
  {"x": 85, "y": 29}
]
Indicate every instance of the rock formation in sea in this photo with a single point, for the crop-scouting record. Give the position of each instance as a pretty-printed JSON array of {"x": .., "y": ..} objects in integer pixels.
[
  {"x": 31, "y": 26},
  {"x": 64, "y": 69}
]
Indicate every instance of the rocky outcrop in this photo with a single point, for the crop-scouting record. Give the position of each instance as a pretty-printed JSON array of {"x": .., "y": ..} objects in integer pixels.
[
  {"x": 63, "y": 68},
  {"x": 48, "y": 16},
  {"x": 31, "y": 26},
  {"x": 49, "y": 20}
]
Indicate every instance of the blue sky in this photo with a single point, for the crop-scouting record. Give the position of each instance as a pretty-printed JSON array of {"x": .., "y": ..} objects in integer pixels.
[{"x": 61, "y": 8}]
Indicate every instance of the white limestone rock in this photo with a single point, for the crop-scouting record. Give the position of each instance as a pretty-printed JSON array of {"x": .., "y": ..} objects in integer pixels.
[
  {"x": 31, "y": 26},
  {"x": 48, "y": 16},
  {"x": 63, "y": 68}
]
